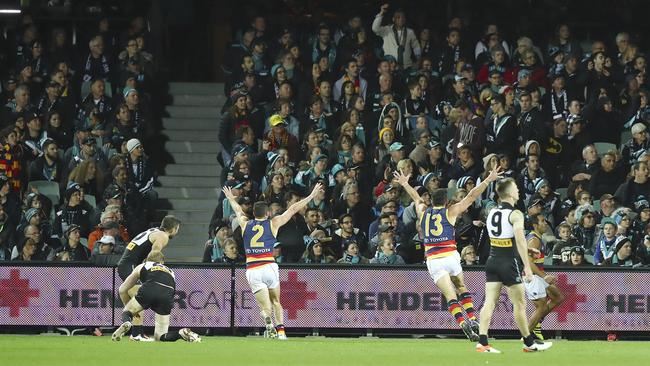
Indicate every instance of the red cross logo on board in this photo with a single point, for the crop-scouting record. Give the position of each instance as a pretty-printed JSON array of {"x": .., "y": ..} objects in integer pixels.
[
  {"x": 571, "y": 298},
  {"x": 295, "y": 295},
  {"x": 15, "y": 293}
]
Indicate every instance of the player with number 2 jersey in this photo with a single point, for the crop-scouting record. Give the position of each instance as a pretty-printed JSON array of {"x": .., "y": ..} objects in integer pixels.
[{"x": 261, "y": 270}]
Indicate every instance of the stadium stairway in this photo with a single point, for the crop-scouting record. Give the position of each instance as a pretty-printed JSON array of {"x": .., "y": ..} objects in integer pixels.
[{"x": 190, "y": 187}]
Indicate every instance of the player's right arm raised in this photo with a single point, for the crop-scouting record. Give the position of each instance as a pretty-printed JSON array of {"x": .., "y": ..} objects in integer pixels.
[
  {"x": 474, "y": 194},
  {"x": 517, "y": 219},
  {"x": 403, "y": 181}
]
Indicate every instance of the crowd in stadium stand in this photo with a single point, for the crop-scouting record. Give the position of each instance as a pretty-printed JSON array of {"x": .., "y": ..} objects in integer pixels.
[
  {"x": 349, "y": 103},
  {"x": 75, "y": 183}
]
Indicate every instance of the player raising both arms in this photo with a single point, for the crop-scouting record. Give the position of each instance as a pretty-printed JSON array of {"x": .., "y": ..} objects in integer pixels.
[
  {"x": 508, "y": 255},
  {"x": 157, "y": 294},
  {"x": 261, "y": 270},
  {"x": 541, "y": 290},
  {"x": 443, "y": 261},
  {"x": 154, "y": 239}
]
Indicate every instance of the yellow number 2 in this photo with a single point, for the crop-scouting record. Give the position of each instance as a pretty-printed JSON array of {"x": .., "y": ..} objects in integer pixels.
[
  {"x": 259, "y": 231},
  {"x": 437, "y": 224}
]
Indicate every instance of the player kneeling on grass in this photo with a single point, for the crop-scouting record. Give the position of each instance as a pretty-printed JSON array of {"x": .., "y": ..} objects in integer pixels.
[{"x": 157, "y": 294}]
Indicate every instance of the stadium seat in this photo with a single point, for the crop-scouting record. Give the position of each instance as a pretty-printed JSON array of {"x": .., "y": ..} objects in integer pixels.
[
  {"x": 626, "y": 136},
  {"x": 597, "y": 205},
  {"x": 603, "y": 147},
  {"x": 91, "y": 200},
  {"x": 84, "y": 242},
  {"x": 49, "y": 189},
  {"x": 562, "y": 192}
]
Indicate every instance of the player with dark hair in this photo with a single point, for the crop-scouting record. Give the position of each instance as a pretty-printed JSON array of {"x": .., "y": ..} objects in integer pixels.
[
  {"x": 541, "y": 290},
  {"x": 261, "y": 270},
  {"x": 157, "y": 294},
  {"x": 443, "y": 261},
  {"x": 508, "y": 255},
  {"x": 154, "y": 239}
]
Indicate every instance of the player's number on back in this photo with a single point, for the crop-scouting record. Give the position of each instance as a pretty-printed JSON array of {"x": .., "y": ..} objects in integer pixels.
[
  {"x": 436, "y": 220},
  {"x": 496, "y": 224},
  {"x": 259, "y": 231}
]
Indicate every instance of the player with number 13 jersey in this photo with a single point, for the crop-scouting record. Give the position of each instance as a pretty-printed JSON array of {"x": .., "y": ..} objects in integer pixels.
[{"x": 439, "y": 237}]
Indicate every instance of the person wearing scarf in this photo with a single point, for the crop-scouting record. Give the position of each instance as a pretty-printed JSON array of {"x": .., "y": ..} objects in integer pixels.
[
  {"x": 352, "y": 255},
  {"x": 606, "y": 241},
  {"x": 72, "y": 213},
  {"x": 96, "y": 65}
]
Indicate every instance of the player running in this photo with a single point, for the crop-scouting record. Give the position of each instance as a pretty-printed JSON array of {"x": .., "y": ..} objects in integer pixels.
[
  {"x": 505, "y": 227},
  {"x": 157, "y": 294},
  {"x": 261, "y": 270},
  {"x": 541, "y": 290},
  {"x": 154, "y": 239},
  {"x": 443, "y": 261}
]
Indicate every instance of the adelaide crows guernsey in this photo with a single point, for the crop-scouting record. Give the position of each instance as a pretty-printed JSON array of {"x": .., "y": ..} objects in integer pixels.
[
  {"x": 258, "y": 243},
  {"x": 439, "y": 234}
]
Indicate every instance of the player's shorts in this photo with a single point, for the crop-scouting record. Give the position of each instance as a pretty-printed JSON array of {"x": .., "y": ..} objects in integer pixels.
[
  {"x": 124, "y": 270},
  {"x": 267, "y": 276},
  {"x": 156, "y": 297},
  {"x": 536, "y": 289},
  {"x": 506, "y": 270},
  {"x": 438, "y": 267}
]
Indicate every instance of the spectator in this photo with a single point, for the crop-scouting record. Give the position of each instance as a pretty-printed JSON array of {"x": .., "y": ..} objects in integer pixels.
[
  {"x": 28, "y": 251},
  {"x": 96, "y": 64},
  {"x": 230, "y": 253},
  {"x": 468, "y": 256},
  {"x": 577, "y": 258},
  {"x": 623, "y": 255},
  {"x": 386, "y": 254},
  {"x": 141, "y": 174},
  {"x": 72, "y": 213},
  {"x": 76, "y": 250},
  {"x": 89, "y": 177},
  {"x": 352, "y": 254},
  {"x": 315, "y": 253},
  {"x": 214, "y": 247},
  {"x": 637, "y": 186},
  {"x": 346, "y": 233},
  {"x": 399, "y": 41}
]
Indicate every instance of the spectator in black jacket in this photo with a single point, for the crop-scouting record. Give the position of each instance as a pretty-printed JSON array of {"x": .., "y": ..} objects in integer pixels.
[
  {"x": 608, "y": 177},
  {"x": 502, "y": 131},
  {"x": 48, "y": 166},
  {"x": 141, "y": 174},
  {"x": 636, "y": 187},
  {"x": 72, "y": 213}
]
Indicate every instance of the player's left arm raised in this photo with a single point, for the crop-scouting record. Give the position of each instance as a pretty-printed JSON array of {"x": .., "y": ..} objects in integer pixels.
[
  {"x": 280, "y": 220},
  {"x": 474, "y": 194},
  {"x": 403, "y": 181},
  {"x": 239, "y": 212}
]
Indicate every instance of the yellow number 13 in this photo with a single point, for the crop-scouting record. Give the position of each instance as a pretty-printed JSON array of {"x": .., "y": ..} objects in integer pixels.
[
  {"x": 437, "y": 224},
  {"x": 259, "y": 231}
]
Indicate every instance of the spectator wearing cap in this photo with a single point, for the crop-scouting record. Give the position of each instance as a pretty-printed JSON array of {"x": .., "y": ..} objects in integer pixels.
[
  {"x": 606, "y": 243},
  {"x": 530, "y": 61},
  {"x": 109, "y": 225},
  {"x": 623, "y": 221},
  {"x": 637, "y": 145},
  {"x": 315, "y": 252},
  {"x": 399, "y": 41},
  {"x": 87, "y": 151},
  {"x": 139, "y": 111},
  {"x": 502, "y": 131},
  {"x": 576, "y": 258},
  {"x": 471, "y": 129},
  {"x": 523, "y": 84},
  {"x": 141, "y": 173},
  {"x": 280, "y": 138},
  {"x": 555, "y": 103},
  {"x": 76, "y": 250},
  {"x": 608, "y": 177},
  {"x": 223, "y": 209},
  {"x": 34, "y": 136},
  {"x": 11, "y": 153},
  {"x": 72, "y": 213},
  {"x": 396, "y": 152},
  {"x": 214, "y": 247},
  {"x": 435, "y": 162},
  {"x": 457, "y": 92},
  {"x": 623, "y": 256},
  {"x": 637, "y": 186},
  {"x": 317, "y": 171},
  {"x": 51, "y": 100}
]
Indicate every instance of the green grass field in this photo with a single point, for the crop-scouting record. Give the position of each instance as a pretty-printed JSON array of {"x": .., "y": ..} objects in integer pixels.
[{"x": 88, "y": 350}]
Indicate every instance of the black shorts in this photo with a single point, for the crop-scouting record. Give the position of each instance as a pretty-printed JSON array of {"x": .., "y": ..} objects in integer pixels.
[
  {"x": 156, "y": 297},
  {"x": 124, "y": 270},
  {"x": 506, "y": 270}
]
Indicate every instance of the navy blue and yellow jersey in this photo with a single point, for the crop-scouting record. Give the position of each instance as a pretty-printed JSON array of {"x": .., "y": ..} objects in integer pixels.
[
  {"x": 439, "y": 234},
  {"x": 258, "y": 243}
]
